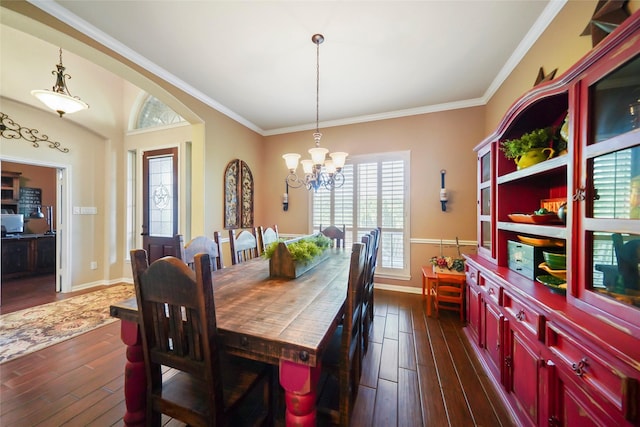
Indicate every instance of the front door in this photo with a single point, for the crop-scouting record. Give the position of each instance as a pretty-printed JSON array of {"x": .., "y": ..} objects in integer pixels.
[{"x": 160, "y": 202}]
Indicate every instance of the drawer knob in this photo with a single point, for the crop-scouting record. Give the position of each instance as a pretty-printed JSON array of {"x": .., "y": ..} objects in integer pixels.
[
  {"x": 304, "y": 356},
  {"x": 578, "y": 368},
  {"x": 244, "y": 341},
  {"x": 520, "y": 315}
]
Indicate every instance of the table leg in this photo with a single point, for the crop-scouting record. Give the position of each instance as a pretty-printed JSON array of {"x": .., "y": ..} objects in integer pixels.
[
  {"x": 429, "y": 295},
  {"x": 300, "y": 390},
  {"x": 135, "y": 381}
]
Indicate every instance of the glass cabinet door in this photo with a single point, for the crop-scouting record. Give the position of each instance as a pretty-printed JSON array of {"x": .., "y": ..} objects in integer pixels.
[
  {"x": 610, "y": 224},
  {"x": 485, "y": 202}
]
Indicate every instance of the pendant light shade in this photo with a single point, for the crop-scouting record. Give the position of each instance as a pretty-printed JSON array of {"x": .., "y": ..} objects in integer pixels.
[{"x": 58, "y": 98}]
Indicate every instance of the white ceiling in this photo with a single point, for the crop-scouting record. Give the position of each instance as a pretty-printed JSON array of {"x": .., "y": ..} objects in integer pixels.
[{"x": 255, "y": 61}]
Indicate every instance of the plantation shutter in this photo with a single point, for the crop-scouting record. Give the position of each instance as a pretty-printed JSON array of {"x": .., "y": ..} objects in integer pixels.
[
  {"x": 374, "y": 195},
  {"x": 611, "y": 179}
]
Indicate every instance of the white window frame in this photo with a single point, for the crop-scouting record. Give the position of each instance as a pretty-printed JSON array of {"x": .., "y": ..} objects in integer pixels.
[{"x": 354, "y": 232}]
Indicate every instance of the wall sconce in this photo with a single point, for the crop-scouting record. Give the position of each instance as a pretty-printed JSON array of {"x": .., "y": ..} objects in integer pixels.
[
  {"x": 443, "y": 191},
  {"x": 285, "y": 198}
]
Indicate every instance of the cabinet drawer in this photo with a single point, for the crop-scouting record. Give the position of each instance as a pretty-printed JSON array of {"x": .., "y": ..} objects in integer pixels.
[
  {"x": 472, "y": 274},
  {"x": 492, "y": 290},
  {"x": 600, "y": 378},
  {"x": 524, "y": 315}
]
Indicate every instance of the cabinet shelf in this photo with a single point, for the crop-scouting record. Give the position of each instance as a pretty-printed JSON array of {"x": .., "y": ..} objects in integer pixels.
[
  {"x": 553, "y": 231},
  {"x": 547, "y": 166}
]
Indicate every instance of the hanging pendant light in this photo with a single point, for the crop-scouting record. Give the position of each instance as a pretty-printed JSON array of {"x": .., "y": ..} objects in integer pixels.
[
  {"x": 58, "y": 98},
  {"x": 319, "y": 171}
]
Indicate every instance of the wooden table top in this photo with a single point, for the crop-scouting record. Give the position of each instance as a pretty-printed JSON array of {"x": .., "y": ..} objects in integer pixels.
[{"x": 273, "y": 319}]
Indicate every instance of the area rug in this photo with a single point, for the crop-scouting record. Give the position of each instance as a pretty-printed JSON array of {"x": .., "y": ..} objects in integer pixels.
[{"x": 25, "y": 331}]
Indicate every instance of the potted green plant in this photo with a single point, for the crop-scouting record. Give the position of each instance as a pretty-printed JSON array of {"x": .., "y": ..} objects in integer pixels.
[
  {"x": 292, "y": 258},
  {"x": 531, "y": 148}
]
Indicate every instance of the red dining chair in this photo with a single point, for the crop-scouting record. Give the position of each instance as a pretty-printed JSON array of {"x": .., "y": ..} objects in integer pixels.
[{"x": 450, "y": 293}]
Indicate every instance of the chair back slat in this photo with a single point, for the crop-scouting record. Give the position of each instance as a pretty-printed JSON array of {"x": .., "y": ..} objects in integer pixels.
[
  {"x": 206, "y": 245},
  {"x": 267, "y": 236},
  {"x": 244, "y": 246},
  {"x": 336, "y": 234}
]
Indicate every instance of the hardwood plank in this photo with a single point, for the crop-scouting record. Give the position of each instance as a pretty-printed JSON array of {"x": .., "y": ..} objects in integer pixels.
[
  {"x": 476, "y": 395},
  {"x": 405, "y": 319},
  {"x": 406, "y": 351},
  {"x": 391, "y": 326},
  {"x": 451, "y": 388},
  {"x": 389, "y": 360},
  {"x": 377, "y": 333},
  {"x": 409, "y": 406},
  {"x": 434, "y": 412},
  {"x": 364, "y": 407},
  {"x": 386, "y": 408},
  {"x": 371, "y": 366}
]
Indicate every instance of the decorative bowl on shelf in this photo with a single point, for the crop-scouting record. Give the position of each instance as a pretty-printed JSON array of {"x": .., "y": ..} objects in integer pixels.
[
  {"x": 555, "y": 261},
  {"x": 554, "y": 284},
  {"x": 549, "y": 218},
  {"x": 541, "y": 242},
  {"x": 560, "y": 274}
]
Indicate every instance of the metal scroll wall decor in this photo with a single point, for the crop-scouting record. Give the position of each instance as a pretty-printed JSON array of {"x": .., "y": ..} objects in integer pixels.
[
  {"x": 238, "y": 195},
  {"x": 11, "y": 130}
]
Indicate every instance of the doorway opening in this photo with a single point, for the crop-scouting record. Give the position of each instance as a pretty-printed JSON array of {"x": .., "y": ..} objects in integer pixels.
[{"x": 33, "y": 272}]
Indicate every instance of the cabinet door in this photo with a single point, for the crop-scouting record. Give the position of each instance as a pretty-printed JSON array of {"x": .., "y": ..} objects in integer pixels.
[
  {"x": 46, "y": 255},
  {"x": 493, "y": 324},
  {"x": 522, "y": 368},
  {"x": 571, "y": 407},
  {"x": 473, "y": 312},
  {"x": 608, "y": 195},
  {"x": 486, "y": 177},
  {"x": 15, "y": 256}
]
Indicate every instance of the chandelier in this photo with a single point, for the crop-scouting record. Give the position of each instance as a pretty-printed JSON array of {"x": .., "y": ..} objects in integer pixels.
[
  {"x": 58, "y": 98},
  {"x": 319, "y": 171}
]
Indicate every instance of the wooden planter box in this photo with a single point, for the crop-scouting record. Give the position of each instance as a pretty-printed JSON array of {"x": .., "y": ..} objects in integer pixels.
[{"x": 282, "y": 265}]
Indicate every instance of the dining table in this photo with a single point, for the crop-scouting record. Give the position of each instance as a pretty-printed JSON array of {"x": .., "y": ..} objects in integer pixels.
[{"x": 284, "y": 322}]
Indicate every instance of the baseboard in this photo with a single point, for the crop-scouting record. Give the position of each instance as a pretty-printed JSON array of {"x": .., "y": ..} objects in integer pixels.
[{"x": 396, "y": 288}]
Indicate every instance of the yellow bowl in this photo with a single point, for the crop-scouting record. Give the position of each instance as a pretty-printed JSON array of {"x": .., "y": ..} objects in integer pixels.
[{"x": 560, "y": 274}]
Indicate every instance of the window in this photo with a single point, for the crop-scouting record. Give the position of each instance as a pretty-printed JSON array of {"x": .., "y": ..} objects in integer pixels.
[
  {"x": 375, "y": 194},
  {"x": 131, "y": 202},
  {"x": 154, "y": 112}
]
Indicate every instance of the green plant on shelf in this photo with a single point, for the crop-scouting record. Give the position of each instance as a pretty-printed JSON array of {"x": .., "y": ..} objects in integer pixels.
[{"x": 538, "y": 138}]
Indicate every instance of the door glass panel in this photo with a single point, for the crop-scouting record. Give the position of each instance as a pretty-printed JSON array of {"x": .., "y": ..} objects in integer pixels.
[
  {"x": 616, "y": 102},
  {"x": 485, "y": 165},
  {"x": 616, "y": 184},
  {"x": 485, "y": 203},
  {"x": 485, "y": 230},
  {"x": 615, "y": 258},
  {"x": 160, "y": 196}
]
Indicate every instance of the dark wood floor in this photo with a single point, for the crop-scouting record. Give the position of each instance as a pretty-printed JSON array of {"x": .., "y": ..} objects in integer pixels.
[
  {"x": 21, "y": 293},
  {"x": 418, "y": 371}
]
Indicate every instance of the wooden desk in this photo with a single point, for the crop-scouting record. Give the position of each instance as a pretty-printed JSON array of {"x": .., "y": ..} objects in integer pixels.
[
  {"x": 429, "y": 281},
  {"x": 283, "y": 322}
]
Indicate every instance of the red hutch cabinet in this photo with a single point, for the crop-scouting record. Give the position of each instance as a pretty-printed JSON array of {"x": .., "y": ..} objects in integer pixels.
[{"x": 562, "y": 345}]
